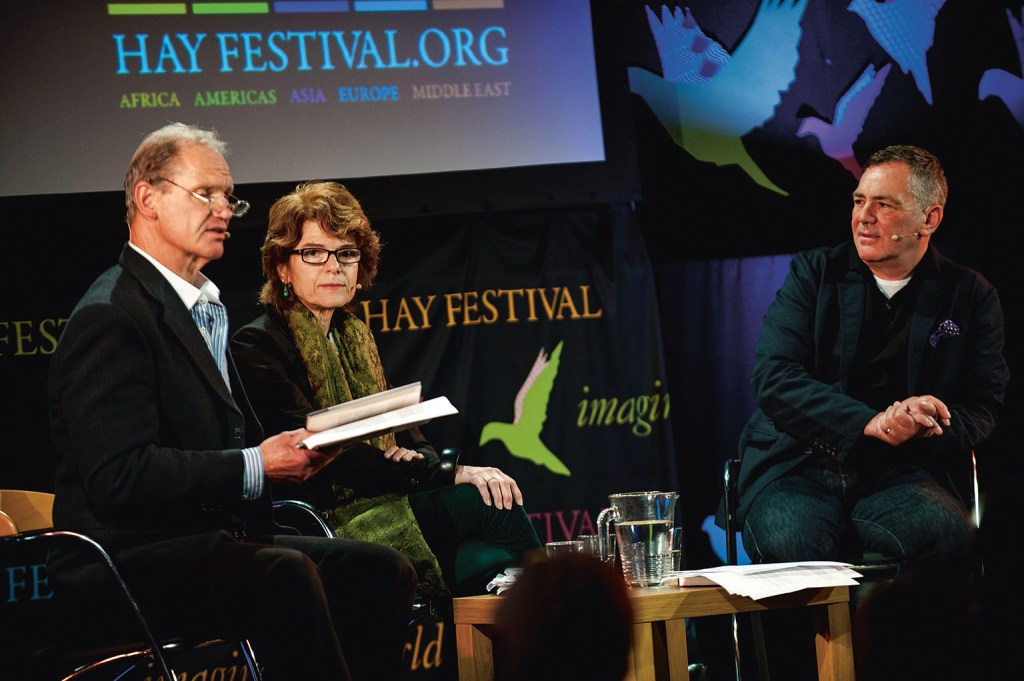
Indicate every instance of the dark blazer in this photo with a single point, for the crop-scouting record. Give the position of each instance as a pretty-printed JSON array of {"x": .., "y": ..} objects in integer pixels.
[
  {"x": 277, "y": 382},
  {"x": 148, "y": 435},
  {"x": 809, "y": 340}
]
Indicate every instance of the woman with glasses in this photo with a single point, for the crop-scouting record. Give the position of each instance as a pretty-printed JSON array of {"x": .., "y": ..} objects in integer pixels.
[{"x": 460, "y": 525}]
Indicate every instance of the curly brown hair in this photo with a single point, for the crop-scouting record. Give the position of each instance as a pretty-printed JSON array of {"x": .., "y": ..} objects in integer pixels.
[{"x": 337, "y": 212}]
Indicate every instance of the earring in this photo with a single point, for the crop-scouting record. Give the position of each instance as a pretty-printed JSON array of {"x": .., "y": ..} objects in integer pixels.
[
  {"x": 359, "y": 286},
  {"x": 286, "y": 293}
]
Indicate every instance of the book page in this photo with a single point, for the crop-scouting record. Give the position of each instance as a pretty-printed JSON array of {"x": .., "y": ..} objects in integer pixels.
[
  {"x": 364, "y": 407},
  {"x": 392, "y": 421}
]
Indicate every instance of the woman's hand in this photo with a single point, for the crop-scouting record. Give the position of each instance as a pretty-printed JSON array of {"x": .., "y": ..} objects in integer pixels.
[
  {"x": 401, "y": 454},
  {"x": 496, "y": 488}
]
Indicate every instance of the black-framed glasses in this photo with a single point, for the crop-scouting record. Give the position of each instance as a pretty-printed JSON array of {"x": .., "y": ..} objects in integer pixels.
[
  {"x": 318, "y": 256},
  {"x": 237, "y": 206}
]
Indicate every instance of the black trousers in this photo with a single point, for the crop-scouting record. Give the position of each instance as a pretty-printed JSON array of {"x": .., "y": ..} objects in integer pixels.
[{"x": 313, "y": 607}]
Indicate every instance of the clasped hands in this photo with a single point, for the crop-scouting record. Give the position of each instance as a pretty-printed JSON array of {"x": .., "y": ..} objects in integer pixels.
[{"x": 913, "y": 417}]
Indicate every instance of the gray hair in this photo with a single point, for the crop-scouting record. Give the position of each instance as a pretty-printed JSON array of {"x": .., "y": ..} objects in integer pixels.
[
  {"x": 159, "y": 150},
  {"x": 927, "y": 182}
]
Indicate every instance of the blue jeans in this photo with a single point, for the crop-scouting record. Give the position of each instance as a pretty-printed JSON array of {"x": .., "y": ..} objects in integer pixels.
[{"x": 825, "y": 510}]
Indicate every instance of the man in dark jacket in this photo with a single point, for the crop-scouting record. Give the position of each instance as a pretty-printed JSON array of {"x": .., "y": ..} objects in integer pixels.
[
  {"x": 162, "y": 460},
  {"x": 878, "y": 369}
]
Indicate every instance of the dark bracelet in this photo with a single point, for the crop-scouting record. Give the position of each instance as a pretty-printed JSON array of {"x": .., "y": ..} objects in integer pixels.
[{"x": 449, "y": 461}]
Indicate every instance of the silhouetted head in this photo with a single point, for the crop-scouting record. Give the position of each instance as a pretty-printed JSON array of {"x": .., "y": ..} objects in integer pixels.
[{"x": 567, "y": 617}]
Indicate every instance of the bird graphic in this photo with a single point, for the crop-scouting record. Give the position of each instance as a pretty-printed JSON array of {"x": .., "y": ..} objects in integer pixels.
[
  {"x": 905, "y": 29},
  {"x": 1007, "y": 86},
  {"x": 522, "y": 436},
  {"x": 708, "y": 99},
  {"x": 836, "y": 138}
]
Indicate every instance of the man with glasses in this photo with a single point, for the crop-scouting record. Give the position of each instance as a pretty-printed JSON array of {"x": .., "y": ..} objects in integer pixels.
[{"x": 162, "y": 460}]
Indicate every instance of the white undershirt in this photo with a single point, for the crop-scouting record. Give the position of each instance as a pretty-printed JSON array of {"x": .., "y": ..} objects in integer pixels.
[{"x": 891, "y": 288}]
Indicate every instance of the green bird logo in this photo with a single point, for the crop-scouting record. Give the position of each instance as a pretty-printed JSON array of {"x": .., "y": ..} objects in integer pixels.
[{"x": 522, "y": 436}]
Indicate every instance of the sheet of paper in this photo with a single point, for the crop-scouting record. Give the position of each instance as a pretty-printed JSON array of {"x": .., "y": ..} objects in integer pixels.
[{"x": 770, "y": 579}]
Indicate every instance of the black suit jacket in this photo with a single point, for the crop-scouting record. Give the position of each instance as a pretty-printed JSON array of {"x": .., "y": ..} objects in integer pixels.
[
  {"x": 809, "y": 340},
  {"x": 148, "y": 435}
]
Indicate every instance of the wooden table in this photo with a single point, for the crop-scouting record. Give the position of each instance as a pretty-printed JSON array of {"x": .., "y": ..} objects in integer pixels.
[{"x": 658, "y": 655}]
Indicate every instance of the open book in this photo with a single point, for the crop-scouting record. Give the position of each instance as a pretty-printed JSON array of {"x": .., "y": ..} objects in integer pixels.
[{"x": 385, "y": 412}]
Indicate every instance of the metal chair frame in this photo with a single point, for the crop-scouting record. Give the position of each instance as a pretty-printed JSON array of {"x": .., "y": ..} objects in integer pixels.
[
  {"x": 30, "y": 521},
  {"x": 154, "y": 652},
  {"x": 308, "y": 512}
]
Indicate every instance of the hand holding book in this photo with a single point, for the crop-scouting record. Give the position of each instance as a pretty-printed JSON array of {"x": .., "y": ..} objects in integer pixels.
[{"x": 389, "y": 411}]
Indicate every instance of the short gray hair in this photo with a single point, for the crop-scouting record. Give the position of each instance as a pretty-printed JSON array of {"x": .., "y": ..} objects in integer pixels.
[
  {"x": 927, "y": 182},
  {"x": 159, "y": 150}
]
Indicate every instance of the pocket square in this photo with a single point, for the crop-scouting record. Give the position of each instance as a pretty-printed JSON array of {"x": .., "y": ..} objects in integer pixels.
[{"x": 946, "y": 328}]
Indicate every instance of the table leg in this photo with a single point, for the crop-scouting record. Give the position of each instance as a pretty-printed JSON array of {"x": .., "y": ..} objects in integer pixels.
[
  {"x": 678, "y": 655},
  {"x": 641, "y": 656},
  {"x": 649, "y": 647},
  {"x": 476, "y": 653},
  {"x": 833, "y": 642}
]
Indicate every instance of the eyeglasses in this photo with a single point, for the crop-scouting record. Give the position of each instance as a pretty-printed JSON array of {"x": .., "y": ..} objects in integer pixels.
[
  {"x": 318, "y": 256},
  {"x": 237, "y": 206}
]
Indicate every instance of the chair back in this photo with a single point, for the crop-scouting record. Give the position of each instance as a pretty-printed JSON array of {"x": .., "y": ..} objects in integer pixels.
[
  {"x": 25, "y": 511},
  {"x": 27, "y": 610}
]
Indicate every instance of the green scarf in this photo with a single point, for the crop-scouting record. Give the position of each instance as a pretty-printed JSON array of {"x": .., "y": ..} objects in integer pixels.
[{"x": 340, "y": 371}]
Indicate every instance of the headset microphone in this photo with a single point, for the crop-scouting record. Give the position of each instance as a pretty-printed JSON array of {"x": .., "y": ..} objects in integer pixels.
[
  {"x": 227, "y": 235},
  {"x": 897, "y": 237}
]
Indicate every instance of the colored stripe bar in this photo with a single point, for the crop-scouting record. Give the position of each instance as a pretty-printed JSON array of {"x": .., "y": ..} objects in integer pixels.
[
  {"x": 230, "y": 8},
  {"x": 391, "y": 5},
  {"x": 309, "y": 6},
  {"x": 469, "y": 4},
  {"x": 141, "y": 8}
]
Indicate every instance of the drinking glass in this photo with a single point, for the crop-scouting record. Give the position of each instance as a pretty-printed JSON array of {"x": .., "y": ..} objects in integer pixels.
[
  {"x": 591, "y": 544},
  {"x": 558, "y": 548}
]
